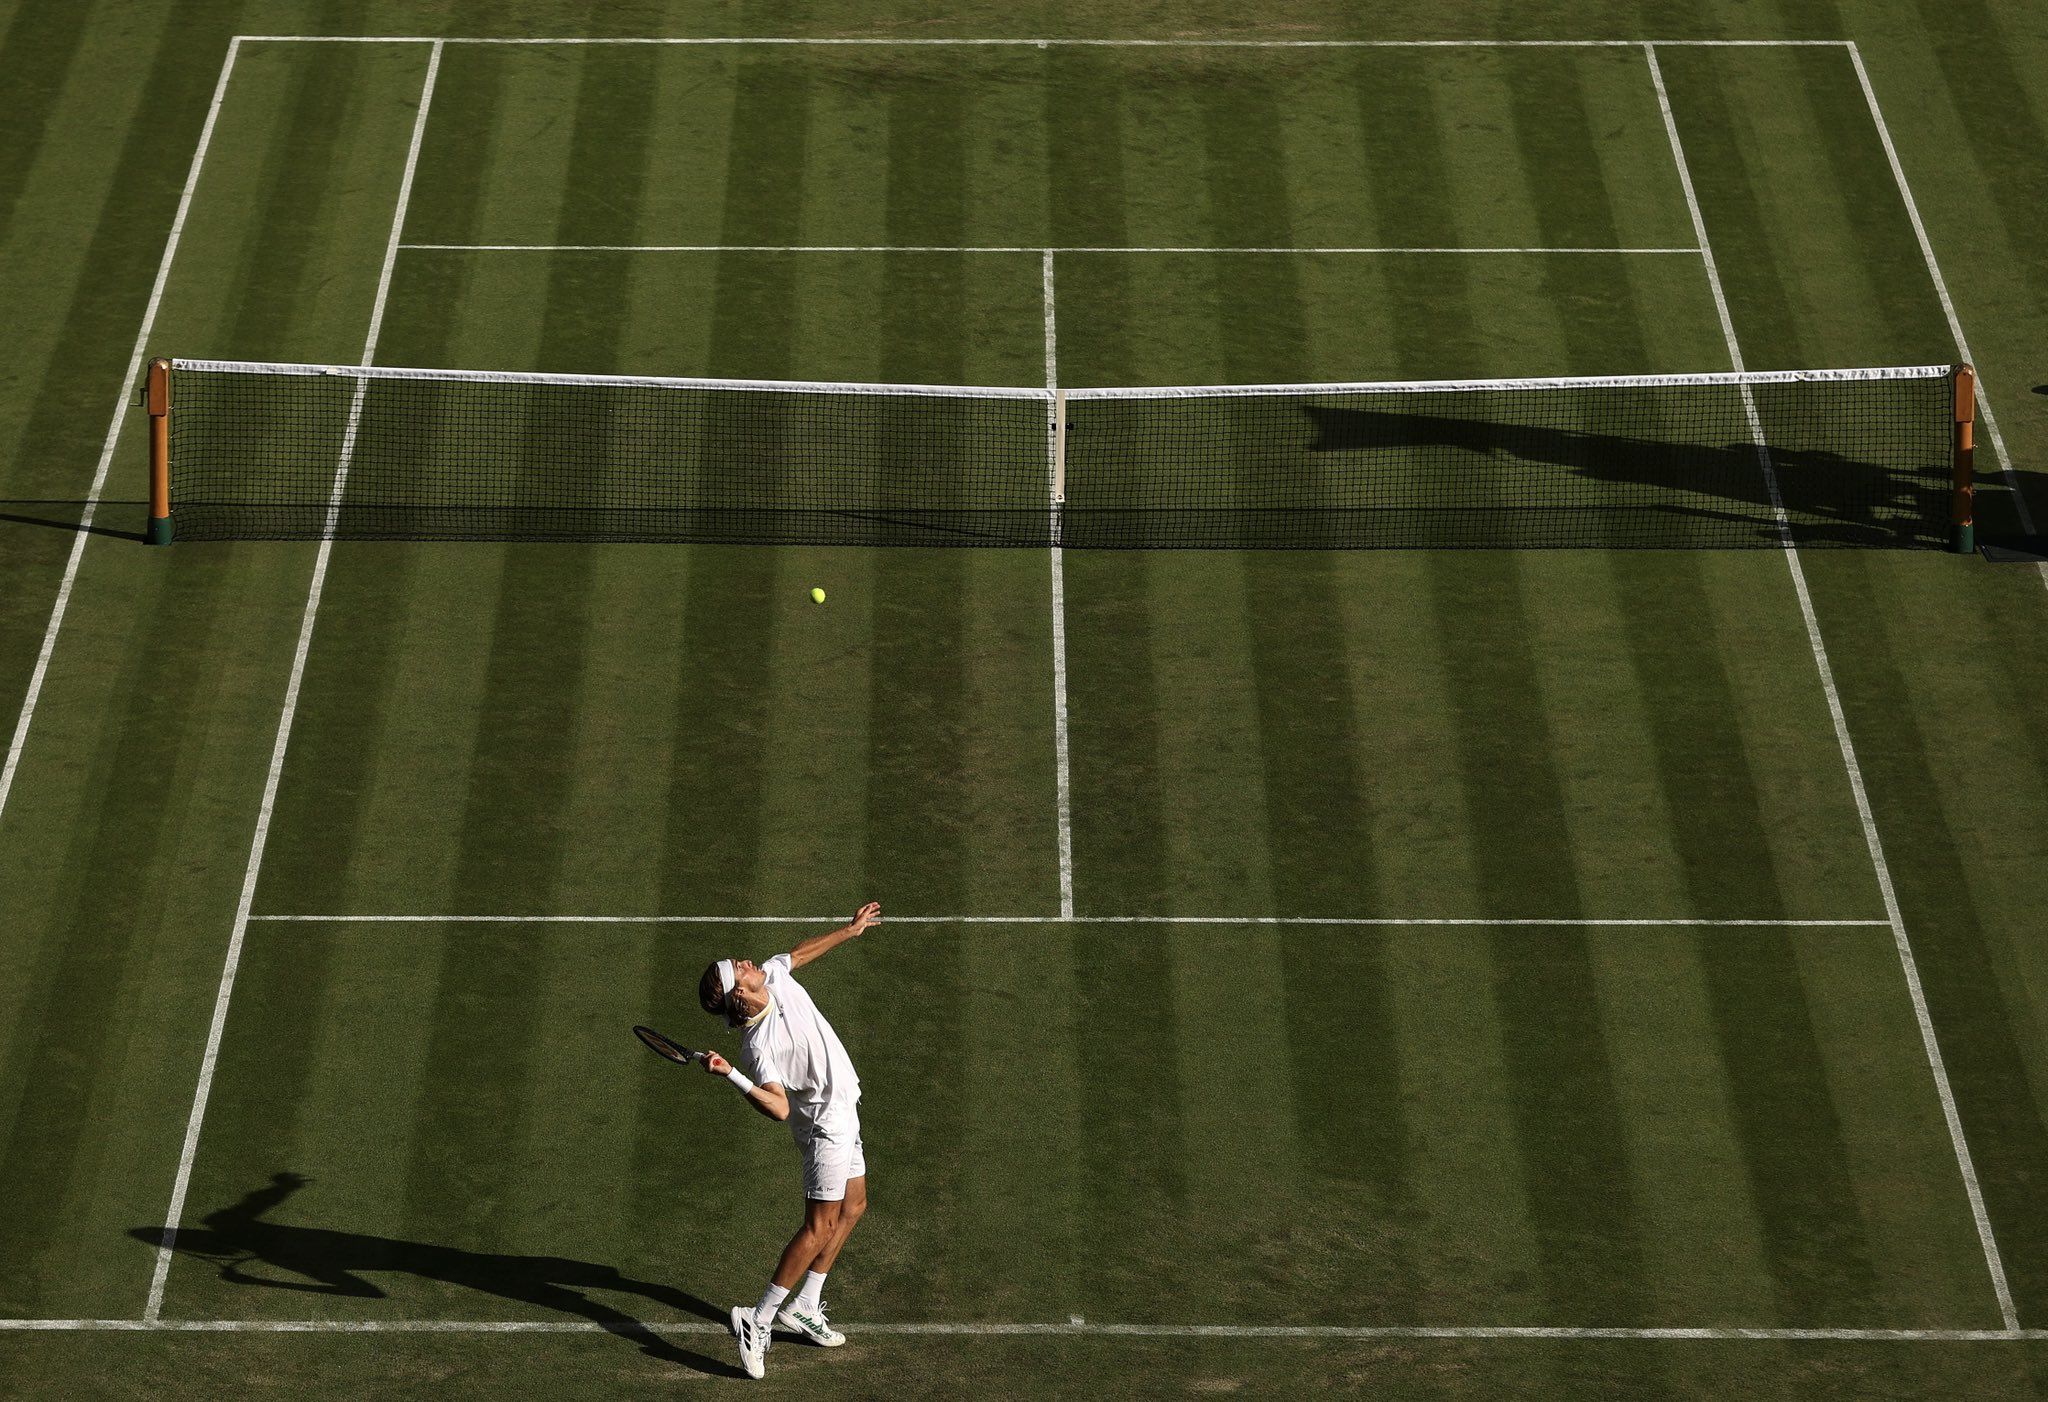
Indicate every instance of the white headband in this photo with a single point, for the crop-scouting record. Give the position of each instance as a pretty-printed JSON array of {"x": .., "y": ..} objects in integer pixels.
[{"x": 725, "y": 976}]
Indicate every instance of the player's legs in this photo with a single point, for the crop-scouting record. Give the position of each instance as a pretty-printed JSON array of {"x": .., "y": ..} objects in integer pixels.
[
  {"x": 751, "y": 1326},
  {"x": 851, "y": 1209},
  {"x": 835, "y": 1174},
  {"x": 819, "y": 1232}
]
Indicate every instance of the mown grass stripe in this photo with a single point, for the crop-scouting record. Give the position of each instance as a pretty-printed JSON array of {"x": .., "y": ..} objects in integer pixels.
[
  {"x": 486, "y": 1095},
  {"x": 292, "y": 197},
  {"x": 94, "y": 929},
  {"x": 1131, "y": 1163},
  {"x": 1982, "y": 1043},
  {"x": 53, "y": 203},
  {"x": 1707, "y": 823},
  {"x": 1113, "y": 688},
  {"x": 1893, "y": 285},
  {"x": 175, "y": 1212},
  {"x": 359, "y": 689},
  {"x": 449, "y": 197},
  {"x": 66, "y": 383},
  {"x": 1845, "y": 1254},
  {"x": 1344, "y": 1117},
  {"x": 1788, "y": 1130},
  {"x": 1568, "y": 1115},
  {"x": 1800, "y": 1183},
  {"x": 718, "y": 760},
  {"x": 1974, "y": 48},
  {"x": 1454, "y": 1077},
  {"x": 37, "y": 53},
  {"x": 718, "y": 752},
  {"x": 1579, "y": 1182},
  {"x": 171, "y": 684},
  {"x": 918, "y": 779}
]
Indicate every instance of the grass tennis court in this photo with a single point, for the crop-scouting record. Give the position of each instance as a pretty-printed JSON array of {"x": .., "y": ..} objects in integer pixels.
[{"x": 1432, "y": 973}]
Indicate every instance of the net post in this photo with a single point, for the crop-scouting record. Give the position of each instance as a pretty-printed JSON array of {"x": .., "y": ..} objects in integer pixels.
[
  {"x": 158, "y": 400},
  {"x": 1963, "y": 500}
]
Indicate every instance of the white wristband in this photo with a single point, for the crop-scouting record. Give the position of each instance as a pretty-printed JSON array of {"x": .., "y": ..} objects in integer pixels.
[{"x": 740, "y": 1081}]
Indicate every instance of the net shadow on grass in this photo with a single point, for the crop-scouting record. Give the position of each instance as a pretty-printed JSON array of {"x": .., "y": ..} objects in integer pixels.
[
  {"x": 321, "y": 1261},
  {"x": 1597, "y": 489}
]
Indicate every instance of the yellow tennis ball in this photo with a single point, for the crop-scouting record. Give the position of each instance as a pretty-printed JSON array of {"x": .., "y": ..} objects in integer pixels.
[{"x": 817, "y": 596}]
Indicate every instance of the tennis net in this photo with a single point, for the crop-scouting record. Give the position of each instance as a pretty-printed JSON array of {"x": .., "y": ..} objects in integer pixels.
[{"x": 1842, "y": 457}]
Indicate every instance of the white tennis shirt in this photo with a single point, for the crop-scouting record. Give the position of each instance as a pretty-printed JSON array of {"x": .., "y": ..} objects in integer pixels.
[{"x": 795, "y": 1047}]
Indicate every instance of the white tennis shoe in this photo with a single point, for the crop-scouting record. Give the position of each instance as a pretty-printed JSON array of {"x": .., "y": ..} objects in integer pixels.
[
  {"x": 811, "y": 1323},
  {"x": 753, "y": 1341}
]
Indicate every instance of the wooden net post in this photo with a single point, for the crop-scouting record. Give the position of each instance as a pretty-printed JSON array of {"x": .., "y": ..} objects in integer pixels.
[
  {"x": 158, "y": 400},
  {"x": 1963, "y": 502}
]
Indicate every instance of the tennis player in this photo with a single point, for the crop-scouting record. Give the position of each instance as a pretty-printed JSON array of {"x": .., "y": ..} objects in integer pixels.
[{"x": 797, "y": 1069}]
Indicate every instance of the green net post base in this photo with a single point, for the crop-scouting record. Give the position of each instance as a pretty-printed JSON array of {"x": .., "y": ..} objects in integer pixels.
[
  {"x": 1963, "y": 539},
  {"x": 159, "y": 532}
]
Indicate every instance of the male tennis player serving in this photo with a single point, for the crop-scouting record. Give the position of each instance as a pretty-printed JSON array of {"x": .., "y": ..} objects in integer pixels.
[{"x": 800, "y": 1073}]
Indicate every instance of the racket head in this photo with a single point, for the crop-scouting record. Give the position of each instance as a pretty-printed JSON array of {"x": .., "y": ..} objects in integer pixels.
[{"x": 662, "y": 1046}]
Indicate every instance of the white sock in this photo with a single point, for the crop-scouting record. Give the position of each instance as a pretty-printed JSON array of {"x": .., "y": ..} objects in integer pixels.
[
  {"x": 813, "y": 1288},
  {"x": 771, "y": 1301}
]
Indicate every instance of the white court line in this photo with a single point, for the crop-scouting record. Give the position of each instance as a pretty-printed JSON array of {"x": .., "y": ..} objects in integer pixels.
[
  {"x": 233, "y": 961},
  {"x": 1064, "y": 43},
  {"x": 1074, "y": 1327},
  {"x": 1331, "y": 921},
  {"x": 982, "y": 248},
  {"x": 122, "y": 403},
  {"x": 1059, "y": 632},
  {"x": 1948, "y": 306},
  {"x": 1964, "y": 1163}
]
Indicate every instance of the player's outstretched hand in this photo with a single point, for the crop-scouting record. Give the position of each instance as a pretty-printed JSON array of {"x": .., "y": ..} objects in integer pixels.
[
  {"x": 869, "y": 914},
  {"x": 716, "y": 1064}
]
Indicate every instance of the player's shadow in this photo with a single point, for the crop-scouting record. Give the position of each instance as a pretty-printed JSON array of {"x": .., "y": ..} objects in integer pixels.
[{"x": 319, "y": 1261}]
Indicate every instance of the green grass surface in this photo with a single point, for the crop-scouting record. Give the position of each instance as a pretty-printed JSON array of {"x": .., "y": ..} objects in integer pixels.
[{"x": 1231, "y": 1124}]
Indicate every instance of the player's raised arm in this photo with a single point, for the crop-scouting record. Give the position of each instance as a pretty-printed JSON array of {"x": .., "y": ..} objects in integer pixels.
[{"x": 804, "y": 953}]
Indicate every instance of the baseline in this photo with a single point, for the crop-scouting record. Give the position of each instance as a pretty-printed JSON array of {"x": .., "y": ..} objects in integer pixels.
[{"x": 1073, "y": 1327}]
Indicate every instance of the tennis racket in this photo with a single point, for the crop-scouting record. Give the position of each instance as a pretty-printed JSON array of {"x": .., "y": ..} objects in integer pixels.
[{"x": 662, "y": 1046}]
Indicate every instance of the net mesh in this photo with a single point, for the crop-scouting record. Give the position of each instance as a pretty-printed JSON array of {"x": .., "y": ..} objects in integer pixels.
[{"x": 294, "y": 452}]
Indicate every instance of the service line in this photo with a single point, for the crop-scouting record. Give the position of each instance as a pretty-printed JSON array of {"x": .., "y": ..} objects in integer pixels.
[
  {"x": 1034, "y": 249},
  {"x": 1327, "y": 921},
  {"x": 1049, "y": 43}
]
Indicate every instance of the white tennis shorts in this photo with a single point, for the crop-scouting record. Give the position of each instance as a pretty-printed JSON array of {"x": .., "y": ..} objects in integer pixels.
[{"x": 831, "y": 1155}]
